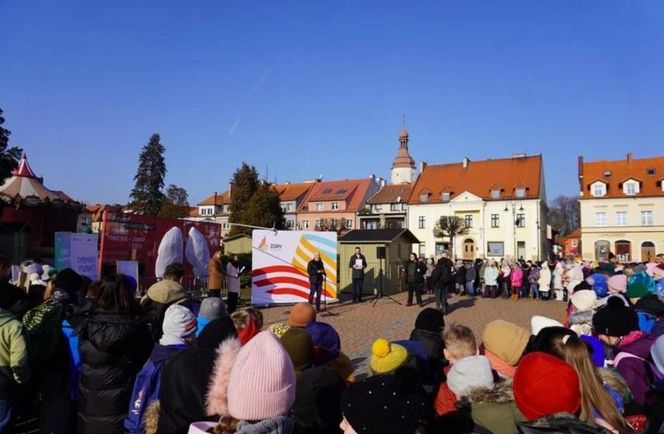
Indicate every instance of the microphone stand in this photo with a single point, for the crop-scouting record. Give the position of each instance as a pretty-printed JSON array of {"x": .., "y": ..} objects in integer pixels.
[{"x": 325, "y": 311}]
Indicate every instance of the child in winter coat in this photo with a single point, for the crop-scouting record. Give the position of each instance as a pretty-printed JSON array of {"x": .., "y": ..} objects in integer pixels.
[
  {"x": 492, "y": 404},
  {"x": 14, "y": 367},
  {"x": 533, "y": 281},
  {"x": 179, "y": 330},
  {"x": 517, "y": 281},
  {"x": 504, "y": 343},
  {"x": 459, "y": 343}
]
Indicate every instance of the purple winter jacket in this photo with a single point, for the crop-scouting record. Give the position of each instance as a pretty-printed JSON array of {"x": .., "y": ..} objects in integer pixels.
[{"x": 637, "y": 373}]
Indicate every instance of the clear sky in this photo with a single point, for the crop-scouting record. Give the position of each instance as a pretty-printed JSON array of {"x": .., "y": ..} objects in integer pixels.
[{"x": 319, "y": 87}]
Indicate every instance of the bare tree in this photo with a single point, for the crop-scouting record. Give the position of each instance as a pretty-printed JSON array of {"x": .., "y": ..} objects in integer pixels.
[
  {"x": 564, "y": 214},
  {"x": 449, "y": 226}
]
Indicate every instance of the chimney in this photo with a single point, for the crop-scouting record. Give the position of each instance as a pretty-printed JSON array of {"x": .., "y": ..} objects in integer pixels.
[
  {"x": 230, "y": 190},
  {"x": 580, "y": 173},
  {"x": 465, "y": 162},
  {"x": 423, "y": 165},
  {"x": 382, "y": 182},
  {"x": 629, "y": 158}
]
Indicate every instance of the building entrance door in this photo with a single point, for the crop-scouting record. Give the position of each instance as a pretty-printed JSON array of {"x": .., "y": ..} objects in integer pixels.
[
  {"x": 469, "y": 250},
  {"x": 647, "y": 252}
]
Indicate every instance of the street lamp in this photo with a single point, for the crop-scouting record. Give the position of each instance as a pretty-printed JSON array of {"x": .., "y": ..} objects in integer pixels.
[{"x": 515, "y": 221}]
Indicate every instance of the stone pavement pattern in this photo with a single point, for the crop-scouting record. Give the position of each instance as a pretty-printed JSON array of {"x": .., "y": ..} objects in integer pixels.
[{"x": 360, "y": 324}]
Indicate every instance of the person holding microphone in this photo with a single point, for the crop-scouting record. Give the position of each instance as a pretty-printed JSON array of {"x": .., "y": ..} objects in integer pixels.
[{"x": 316, "y": 272}]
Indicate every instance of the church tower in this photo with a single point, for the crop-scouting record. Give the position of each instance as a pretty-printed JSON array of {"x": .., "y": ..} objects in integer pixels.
[{"x": 403, "y": 166}]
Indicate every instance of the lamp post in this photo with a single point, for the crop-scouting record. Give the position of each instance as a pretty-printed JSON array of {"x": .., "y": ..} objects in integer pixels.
[{"x": 515, "y": 222}]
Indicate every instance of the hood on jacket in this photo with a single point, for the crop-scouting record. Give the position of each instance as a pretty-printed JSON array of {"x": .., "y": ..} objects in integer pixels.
[
  {"x": 431, "y": 341},
  {"x": 500, "y": 393},
  {"x": 166, "y": 292},
  {"x": 111, "y": 332},
  {"x": 6, "y": 316},
  {"x": 216, "y": 402},
  {"x": 585, "y": 317},
  {"x": 637, "y": 343},
  {"x": 161, "y": 353}
]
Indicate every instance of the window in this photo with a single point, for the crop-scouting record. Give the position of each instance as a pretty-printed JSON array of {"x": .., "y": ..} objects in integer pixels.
[
  {"x": 283, "y": 207},
  {"x": 319, "y": 207},
  {"x": 651, "y": 171},
  {"x": 327, "y": 191},
  {"x": 319, "y": 224},
  {"x": 520, "y": 192},
  {"x": 599, "y": 189},
  {"x": 304, "y": 224},
  {"x": 395, "y": 207},
  {"x": 468, "y": 221},
  {"x": 607, "y": 173},
  {"x": 424, "y": 197},
  {"x": 520, "y": 221},
  {"x": 600, "y": 219},
  {"x": 334, "y": 206},
  {"x": 445, "y": 196},
  {"x": 602, "y": 250},
  {"x": 495, "y": 220},
  {"x": 630, "y": 188},
  {"x": 495, "y": 248},
  {"x": 621, "y": 218},
  {"x": 341, "y": 191},
  {"x": 225, "y": 225},
  {"x": 420, "y": 222},
  {"x": 289, "y": 207},
  {"x": 378, "y": 208},
  {"x": 290, "y": 224},
  {"x": 646, "y": 218},
  {"x": 495, "y": 193},
  {"x": 349, "y": 223}
]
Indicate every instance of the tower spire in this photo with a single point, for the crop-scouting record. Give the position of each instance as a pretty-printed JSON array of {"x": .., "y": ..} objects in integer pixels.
[{"x": 403, "y": 166}]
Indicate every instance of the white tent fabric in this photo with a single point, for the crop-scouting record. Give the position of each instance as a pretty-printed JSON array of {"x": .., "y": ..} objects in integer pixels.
[
  {"x": 197, "y": 252},
  {"x": 170, "y": 250}
]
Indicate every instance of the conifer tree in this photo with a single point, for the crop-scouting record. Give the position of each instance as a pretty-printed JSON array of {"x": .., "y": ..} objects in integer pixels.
[
  {"x": 244, "y": 185},
  {"x": 147, "y": 197},
  {"x": 8, "y": 156}
]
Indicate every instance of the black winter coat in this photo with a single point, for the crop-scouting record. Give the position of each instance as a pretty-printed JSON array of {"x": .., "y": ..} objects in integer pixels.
[
  {"x": 113, "y": 348},
  {"x": 317, "y": 396},
  {"x": 442, "y": 274}
]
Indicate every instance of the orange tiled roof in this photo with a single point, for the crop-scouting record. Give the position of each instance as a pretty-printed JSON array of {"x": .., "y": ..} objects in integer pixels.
[
  {"x": 288, "y": 192},
  {"x": 218, "y": 200},
  {"x": 480, "y": 177},
  {"x": 622, "y": 170},
  {"x": 392, "y": 193},
  {"x": 352, "y": 191},
  {"x": 193, "y": 212}
]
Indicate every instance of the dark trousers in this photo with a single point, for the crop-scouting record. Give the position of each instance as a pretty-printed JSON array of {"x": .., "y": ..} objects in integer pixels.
[
  {"x": 441, "y": 299},
  {"x": 416, "y": 288},
  {"x": 315, "y": 289},
  {"x": 358, "y": 286},
  {"x": 231, "y": 301}
]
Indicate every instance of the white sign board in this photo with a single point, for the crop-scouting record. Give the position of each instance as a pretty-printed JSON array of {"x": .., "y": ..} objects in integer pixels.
[
  {"x": 279, "y": 262},
  {"x": 78, "y": 252}
]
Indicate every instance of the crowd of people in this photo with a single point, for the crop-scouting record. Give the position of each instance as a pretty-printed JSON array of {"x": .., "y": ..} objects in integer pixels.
[{"x": 78, "y": 356}]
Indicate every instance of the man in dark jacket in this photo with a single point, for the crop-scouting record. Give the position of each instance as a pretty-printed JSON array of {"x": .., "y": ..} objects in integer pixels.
[
  {"x": 441, "y": 278},
  {"x": 460, "y": 278},
  {"x": 163, "y": 294},
  {"x": 415, "y": 270},
  {"x": 316, "y": 272},
  {"x": 358, "y": 263}
]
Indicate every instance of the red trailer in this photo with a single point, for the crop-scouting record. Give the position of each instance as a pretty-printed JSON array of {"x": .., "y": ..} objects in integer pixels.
[{"x": 137, "y": 238}]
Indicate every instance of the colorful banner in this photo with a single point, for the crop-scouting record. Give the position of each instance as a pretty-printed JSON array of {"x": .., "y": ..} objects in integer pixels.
[{"x": 279, "y": 261}]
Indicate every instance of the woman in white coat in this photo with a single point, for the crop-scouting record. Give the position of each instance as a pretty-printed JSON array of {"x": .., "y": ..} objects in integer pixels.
[
  {"x": 558, "y": 287},
  {"x": 544, "y": 281},
  {"x": 233, "y": 283}
]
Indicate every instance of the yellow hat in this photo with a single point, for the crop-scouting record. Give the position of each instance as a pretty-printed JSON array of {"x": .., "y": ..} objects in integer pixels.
[
  {"x": 386, "y": 357},
  {"x": 506, "y": 340}
]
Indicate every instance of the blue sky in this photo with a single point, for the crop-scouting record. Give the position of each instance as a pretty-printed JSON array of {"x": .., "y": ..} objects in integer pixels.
[{"x": 319, "y": 87}]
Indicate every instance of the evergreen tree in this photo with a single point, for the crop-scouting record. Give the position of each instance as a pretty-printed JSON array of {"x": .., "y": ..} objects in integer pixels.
[
  {"x": 176, "y": 202},
  {"x": 147, "y": 197},
  {"x": 245, "y": 183},
  {"x": 263, "y": 209},
  {"x": 8, "y": 156}
]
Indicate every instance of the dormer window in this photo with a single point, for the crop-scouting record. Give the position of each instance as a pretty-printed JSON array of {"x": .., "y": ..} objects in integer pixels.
[
  {"x": 631, "y": 187},
  {"x": 445, "y": 196},
  {"x": 651, "y": 171},
  {"x": 607, "y": 173},
  {"x": 520, "y": 192},
  {"x": 424, "y": 196},
  {"x": 598, "y": 189},
  {"x": 495, "y": 193}
]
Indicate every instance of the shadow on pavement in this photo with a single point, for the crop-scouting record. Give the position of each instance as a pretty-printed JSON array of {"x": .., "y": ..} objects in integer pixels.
[{"x": 461, "y": 304}]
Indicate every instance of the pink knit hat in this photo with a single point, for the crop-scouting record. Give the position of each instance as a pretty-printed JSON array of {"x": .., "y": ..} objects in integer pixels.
[
  {"x": 617, "y": 284},
  {"x": 262, "y": 382}
]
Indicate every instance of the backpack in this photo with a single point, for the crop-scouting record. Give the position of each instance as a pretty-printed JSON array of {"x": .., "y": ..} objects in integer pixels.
[{"x": 146, "y": 391}]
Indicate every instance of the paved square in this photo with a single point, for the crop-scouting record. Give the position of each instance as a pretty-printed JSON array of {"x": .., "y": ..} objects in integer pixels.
[{"x": 360, "y": 324}]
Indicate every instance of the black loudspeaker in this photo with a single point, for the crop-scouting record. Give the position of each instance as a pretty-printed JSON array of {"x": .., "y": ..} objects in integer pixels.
[{"x": 380, "y": 252}]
